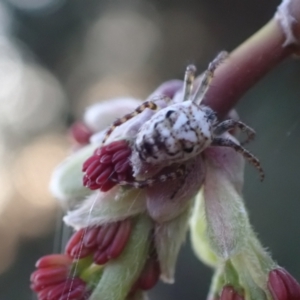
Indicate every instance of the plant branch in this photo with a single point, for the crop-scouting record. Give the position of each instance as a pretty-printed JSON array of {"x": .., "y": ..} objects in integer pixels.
[{"x": 255, "y": 58}]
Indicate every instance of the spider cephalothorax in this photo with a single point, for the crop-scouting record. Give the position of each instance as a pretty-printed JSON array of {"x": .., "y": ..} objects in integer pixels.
[
  {"x": 181, "y": 131},
  {"x": 175, "y": 133}
]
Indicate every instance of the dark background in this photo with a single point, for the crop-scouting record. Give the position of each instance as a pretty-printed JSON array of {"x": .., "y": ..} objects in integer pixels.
[{"x": 57, "y": 57}]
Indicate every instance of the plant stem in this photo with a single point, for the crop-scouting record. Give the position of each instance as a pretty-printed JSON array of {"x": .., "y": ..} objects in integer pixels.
[{"x": 249, "y": 63}]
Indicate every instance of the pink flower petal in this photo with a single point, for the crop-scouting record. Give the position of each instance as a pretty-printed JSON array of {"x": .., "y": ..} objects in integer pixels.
[
  {"x": 231, "y": 163},
  {"x": 166, "y": 200}
]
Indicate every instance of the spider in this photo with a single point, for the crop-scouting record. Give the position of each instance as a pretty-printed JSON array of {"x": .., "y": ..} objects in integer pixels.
[{"x": 181, "y": 131}]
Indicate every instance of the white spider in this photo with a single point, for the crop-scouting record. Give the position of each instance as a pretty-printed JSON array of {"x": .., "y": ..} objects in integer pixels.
[{"x": 181, "y": 131}]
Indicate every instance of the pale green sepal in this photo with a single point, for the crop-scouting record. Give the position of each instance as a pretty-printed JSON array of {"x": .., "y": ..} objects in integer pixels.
[
  {"x": 231, "y": 276},
  {"x": 66, "y": 181},
  {"x": 251, "y": 289},
  {"x": 217, "y": 284},
  {"x": 198, "y": 228},
  {"x": 92, "y": 275},
  {"x": 225, "y": 274},
  {"x": 168, "y": 238},
  {"x": 258, "y": 262},
  {"x": 226, "y": 215},
  {"x": 120, "y": 274},
  {"x": 106, "y": 207}
]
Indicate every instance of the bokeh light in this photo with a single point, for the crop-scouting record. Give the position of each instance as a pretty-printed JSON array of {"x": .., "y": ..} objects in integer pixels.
[
  {"x": 8, "y": 249},
  {"x": 6, "y": 189},
  {"x": 121, "y": 41},
  {"x": 30, "y": 97}
]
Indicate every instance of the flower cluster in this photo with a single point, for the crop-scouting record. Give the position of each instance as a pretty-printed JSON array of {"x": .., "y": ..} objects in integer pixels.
[
  {"x": 127, "y": 238},
  {"x": 103, "y": 242},
  {"x": 108, "y": 165},
  {"x": 73, "y": 275},
  {"x": 52, "y": 280}
]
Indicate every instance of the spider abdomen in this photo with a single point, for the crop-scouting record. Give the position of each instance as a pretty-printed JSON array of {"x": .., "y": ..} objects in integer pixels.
[{"x": 175, "y": 134}]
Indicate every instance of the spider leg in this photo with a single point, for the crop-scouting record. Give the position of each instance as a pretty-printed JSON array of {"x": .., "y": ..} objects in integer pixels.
[
  {"x": 188, "y": 82},
  {"x": 250, "y": 157},
  {"x": 181, "y": 171},
  {"x": 232, "y": 124},
  {"x": 208, "y": 76},
  {"x": 148, "y": 104}
]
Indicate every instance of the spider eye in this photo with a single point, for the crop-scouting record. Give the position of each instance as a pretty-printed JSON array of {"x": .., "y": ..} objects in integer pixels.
[{"x": 210, "y": 114}]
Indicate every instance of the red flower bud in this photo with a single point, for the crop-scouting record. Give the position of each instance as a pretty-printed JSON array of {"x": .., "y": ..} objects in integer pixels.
[
  {"x": 80, "y": 133},
  {"x": 150, "y": 274},
  {"x": 75, "y": 247},
  {"x": 53, "y": 260},
  {"x": 48, "y": 276},
  {"x": 112, "y": 240},
  {"x": 70, "y": 286},
  {"x": 109, "y": 164},
  {"x": 104, "y": 242},
  {"x": 283, "y": 285},
  {"x": 229, "y": 293},
  {"x": 53, "y": 281},
  {"x": 73, "y": 289}
]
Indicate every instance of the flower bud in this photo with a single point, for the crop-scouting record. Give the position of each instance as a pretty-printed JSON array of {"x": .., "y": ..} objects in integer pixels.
[
  {"x": 150, "y": 274},
  {"x": 108, "y": 165},
  {"x": 228, "y": 293},
  {"x": 282, "y": 285},
  {"x": 103, "y": 242},
  {"x": 52, "y": 280},
  {"x": 80, "y": 133},
  {"x": 120, "y": 274}
]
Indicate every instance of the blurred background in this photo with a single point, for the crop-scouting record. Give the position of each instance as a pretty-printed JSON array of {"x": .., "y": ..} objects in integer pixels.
[{"x": 58, "y": 56}]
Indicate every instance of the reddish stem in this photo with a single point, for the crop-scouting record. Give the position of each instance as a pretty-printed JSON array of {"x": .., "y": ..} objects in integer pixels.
[{"x": 250, "y": 62}]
